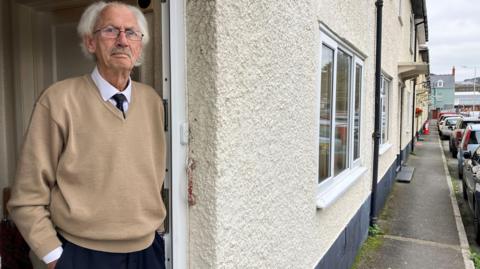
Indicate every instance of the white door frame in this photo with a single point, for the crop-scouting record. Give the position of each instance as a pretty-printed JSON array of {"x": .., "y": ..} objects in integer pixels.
[{"x": 179, "y": 133}]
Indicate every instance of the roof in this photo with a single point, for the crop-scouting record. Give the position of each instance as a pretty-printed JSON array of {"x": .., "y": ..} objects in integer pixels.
[
  {"x": 468, "y": 81},
  {"x": 467, "y": 93},
  {"x": 448, "y": 81},
  {"x": 420, "y": 13}
]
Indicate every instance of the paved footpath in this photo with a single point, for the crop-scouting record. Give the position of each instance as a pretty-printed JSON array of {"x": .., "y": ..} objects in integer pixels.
[{"x": 421, "y": 220}]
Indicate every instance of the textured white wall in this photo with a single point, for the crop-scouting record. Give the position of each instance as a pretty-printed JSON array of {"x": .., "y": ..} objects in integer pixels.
[
  {"x": 252, "y": 68},
  {"x": 203, "y": 121},
  {"x": 353, "y": 21},
  {"x": 393, "y": 51},
  {"x": 406, "y": 55},
  {"x": 396, "y": 49},
  {"x": 252, "y": 110}
]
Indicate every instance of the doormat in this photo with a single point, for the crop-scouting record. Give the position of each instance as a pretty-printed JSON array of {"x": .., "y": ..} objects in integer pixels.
[{"x": 405, "y": 175}]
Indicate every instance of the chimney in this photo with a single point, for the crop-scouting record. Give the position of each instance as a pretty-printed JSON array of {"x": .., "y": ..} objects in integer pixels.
[{"x": 453, "y": 71}]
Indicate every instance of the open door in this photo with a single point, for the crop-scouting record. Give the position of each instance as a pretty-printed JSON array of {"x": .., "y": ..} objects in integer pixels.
[{"x": 45, "y": 49}]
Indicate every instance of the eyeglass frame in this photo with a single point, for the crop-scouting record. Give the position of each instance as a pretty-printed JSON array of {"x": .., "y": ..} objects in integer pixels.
[{"x": 137, "y": 33}]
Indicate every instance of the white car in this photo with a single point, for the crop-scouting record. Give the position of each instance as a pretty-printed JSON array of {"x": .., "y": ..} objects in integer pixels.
[{"x": 446, "y": 126}]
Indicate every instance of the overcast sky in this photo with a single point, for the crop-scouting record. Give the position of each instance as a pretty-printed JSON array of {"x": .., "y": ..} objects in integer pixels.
[{"x": 454, "y": 37}]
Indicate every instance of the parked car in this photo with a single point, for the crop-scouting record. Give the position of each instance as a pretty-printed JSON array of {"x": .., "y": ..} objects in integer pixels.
[
  {"x": 469, "y": 143},
  {"x": 471, "y": 186},
  {"x": 446, "y": 126},
  {"x": 443, "y": 115},
  {"x": 445, "y": 112},
  {"x": 456, "y": 134}
]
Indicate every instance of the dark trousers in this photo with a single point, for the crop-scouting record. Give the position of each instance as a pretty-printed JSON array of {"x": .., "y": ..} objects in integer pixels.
[{"x": 77, "y": 257}]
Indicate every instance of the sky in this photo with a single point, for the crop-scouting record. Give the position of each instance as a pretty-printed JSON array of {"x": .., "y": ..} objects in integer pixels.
[{"x": 454, "y": 37}]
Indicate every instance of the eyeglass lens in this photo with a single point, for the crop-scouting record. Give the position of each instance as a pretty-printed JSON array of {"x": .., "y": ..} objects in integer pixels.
[{"x": 113, "y": 32}]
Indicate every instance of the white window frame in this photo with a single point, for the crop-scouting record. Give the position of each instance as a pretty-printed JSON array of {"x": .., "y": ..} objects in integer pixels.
[
  {"x": 385, "y": 97},
  {"x": 440, "y": 84},
  {"x": 331, "y": 188},
  {"x": 357, "y": 61}
]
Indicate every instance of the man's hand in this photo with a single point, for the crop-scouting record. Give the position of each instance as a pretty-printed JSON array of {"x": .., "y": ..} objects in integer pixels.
[{"x": 52, "y": 265}]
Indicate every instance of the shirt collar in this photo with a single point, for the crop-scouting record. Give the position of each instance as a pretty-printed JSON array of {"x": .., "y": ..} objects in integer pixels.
[{"x": 106, "y": 89}]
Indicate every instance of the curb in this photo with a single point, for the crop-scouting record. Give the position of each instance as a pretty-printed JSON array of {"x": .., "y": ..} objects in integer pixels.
[{"x": 458, "y": 217}]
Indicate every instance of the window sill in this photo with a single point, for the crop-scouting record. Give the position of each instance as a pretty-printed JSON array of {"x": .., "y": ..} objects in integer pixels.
[
  {"x": 384, "y": 148},
  {"x": 329, "y": 191}
]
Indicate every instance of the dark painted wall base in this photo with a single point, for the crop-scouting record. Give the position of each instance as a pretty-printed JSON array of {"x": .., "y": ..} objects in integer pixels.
[
  {"x": 384, "y": 187},
  {"x": 403, "y": 156},
  {"x": 407, "y": 150},
  {"x": 342, "y": 253}
]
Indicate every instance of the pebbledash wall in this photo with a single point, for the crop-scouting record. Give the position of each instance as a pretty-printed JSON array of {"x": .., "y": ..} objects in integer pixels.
[{"x": 253, "y": 102}]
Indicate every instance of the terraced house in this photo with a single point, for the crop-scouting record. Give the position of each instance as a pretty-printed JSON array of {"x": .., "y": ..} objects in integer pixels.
[
  {"x": 286, "y": 120},
  {"x": 443, "y": 91}
]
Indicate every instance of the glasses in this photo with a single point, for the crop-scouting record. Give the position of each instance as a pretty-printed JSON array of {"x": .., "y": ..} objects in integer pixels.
[{"x": 114, "y": 32}]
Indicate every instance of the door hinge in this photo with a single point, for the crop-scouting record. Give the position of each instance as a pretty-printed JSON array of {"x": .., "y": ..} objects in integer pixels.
[{"x": 165, "y": 114}]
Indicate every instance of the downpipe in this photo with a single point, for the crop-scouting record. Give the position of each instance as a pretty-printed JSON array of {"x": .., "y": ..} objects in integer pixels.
[
  {"x": 414, "y": 132},
  {"x": 376, "y": 133}
]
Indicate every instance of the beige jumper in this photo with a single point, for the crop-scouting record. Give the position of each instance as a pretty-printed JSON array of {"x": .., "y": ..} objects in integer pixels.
[{"x": 88, "y": 173}]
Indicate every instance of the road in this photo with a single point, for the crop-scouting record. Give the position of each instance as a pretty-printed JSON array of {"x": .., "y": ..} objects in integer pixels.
[{"x": 467, "y": 215}]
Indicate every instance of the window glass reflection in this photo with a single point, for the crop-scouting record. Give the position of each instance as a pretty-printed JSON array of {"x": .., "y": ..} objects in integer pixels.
[
  {"x": 326, "y": 87},
  {"x": 384, "y": 92},
  {"x": 356, "y": 123},
  {"x": 341, "y": 111}
]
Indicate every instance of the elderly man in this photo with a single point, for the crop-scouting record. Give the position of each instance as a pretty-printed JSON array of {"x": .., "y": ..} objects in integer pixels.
[{"x": 87, "y": 192}]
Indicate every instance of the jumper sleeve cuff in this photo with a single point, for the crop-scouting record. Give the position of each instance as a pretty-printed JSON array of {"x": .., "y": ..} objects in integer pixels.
[{"x": 53, "y": 255}]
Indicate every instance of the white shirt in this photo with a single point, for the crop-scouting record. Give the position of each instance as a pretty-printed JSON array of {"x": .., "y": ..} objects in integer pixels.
[{"x": 107, "y": 91}]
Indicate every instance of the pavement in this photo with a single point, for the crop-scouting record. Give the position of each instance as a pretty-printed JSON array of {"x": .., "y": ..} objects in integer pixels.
[{"x": 421, "y": 223}]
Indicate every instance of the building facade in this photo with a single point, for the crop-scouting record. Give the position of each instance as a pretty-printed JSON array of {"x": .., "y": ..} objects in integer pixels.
[
  {"x": 467, "y": 95},
  {"x": 271, "y": 113},
  {"x": 443, "y": 91}
]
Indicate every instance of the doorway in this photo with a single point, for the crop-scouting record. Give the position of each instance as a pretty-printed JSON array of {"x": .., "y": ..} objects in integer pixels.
[{"x": 45, "y": 48}]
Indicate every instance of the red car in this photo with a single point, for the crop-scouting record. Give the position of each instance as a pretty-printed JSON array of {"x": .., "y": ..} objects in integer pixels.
[{"x": 456, "y": 135}]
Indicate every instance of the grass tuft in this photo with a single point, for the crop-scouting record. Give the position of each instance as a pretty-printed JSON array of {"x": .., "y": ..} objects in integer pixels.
[
  {"x": 375, "y": 230},
  {"x": 475, "y": 257},
  {"x": 369, "y": 247}
]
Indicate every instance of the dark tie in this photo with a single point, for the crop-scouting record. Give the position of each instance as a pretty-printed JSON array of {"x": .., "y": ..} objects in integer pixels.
[{"x": 120, "y": 98}]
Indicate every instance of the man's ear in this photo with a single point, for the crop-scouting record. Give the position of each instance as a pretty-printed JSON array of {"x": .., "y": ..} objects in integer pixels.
[{"x": 90, "y": 43}]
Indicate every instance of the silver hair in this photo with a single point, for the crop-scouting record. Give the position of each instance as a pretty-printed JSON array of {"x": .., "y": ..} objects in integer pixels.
[{"x": 90, "y": 18}]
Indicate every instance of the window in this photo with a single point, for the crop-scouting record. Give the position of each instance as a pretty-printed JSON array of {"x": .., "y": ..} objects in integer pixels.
[
  {"x": 400, "y": 10},
  {"x": 440, "y": 84},
  {"x": 412, "y": 34},
  {"x": 341, "y": 74},
  {"x": 384, "y": 105},
  {"x": 357, "y": 109},
  {"x": 325, "y": 110},
  {"x": 474, "y": 137},
  {"x": 476, "y": 155},
  {"x": 409, "y": 111}
]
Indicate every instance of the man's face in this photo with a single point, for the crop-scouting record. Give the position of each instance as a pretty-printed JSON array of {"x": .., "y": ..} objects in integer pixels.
[{"x": 115, "y": 54}]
